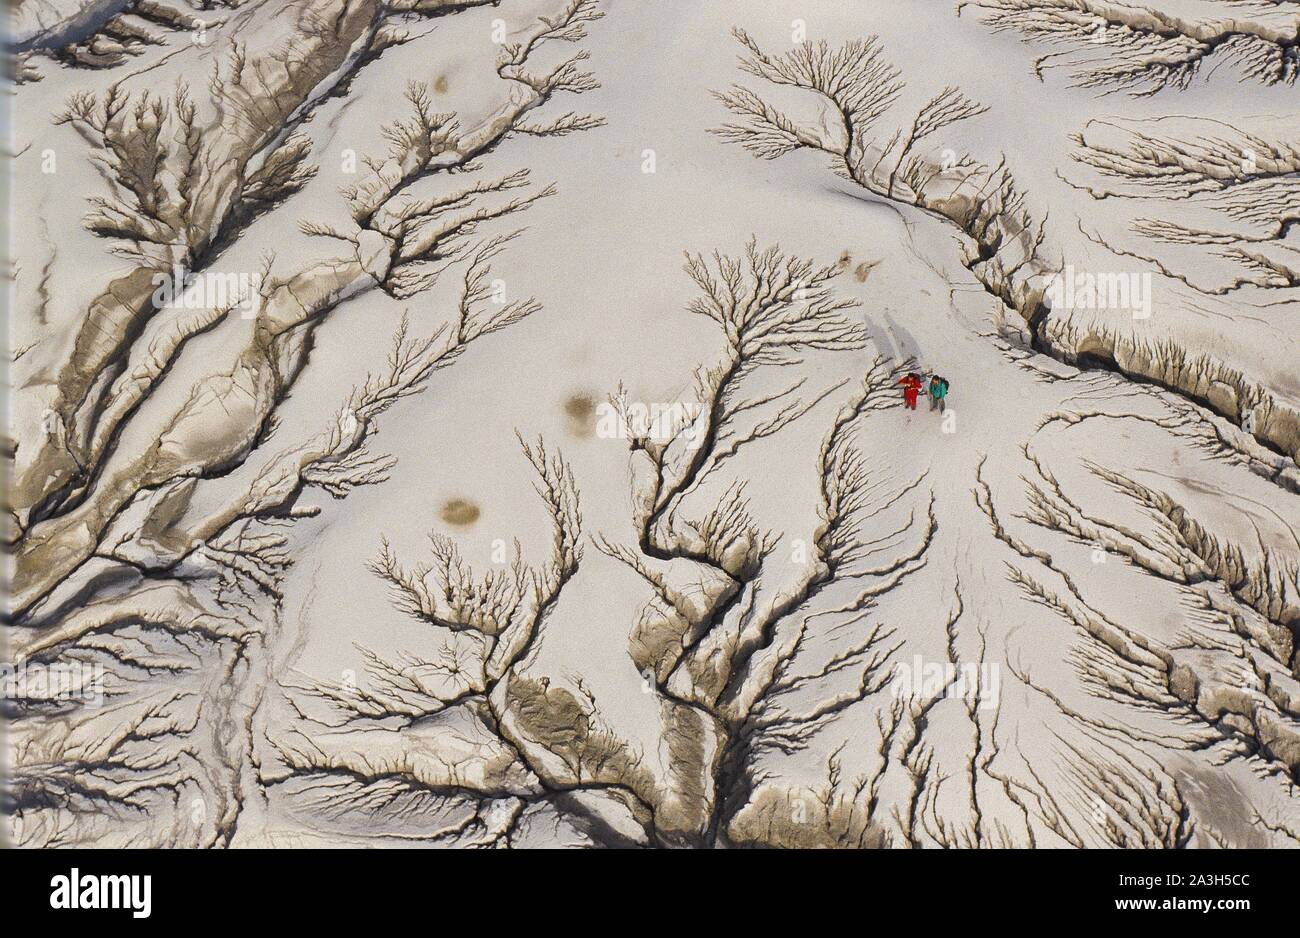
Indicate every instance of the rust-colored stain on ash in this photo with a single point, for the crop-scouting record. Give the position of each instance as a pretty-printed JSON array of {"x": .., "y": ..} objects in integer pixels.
[
  {"x": 581, "y": 411},
  {"x": 459, "y": 511}
]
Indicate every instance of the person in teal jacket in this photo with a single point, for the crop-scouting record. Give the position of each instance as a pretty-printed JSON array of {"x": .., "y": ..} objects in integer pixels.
[{"x": 938, "y": 392}]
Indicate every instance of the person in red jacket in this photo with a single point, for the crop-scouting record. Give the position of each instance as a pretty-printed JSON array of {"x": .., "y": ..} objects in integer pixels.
[{"x": 912, "y": 385}]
